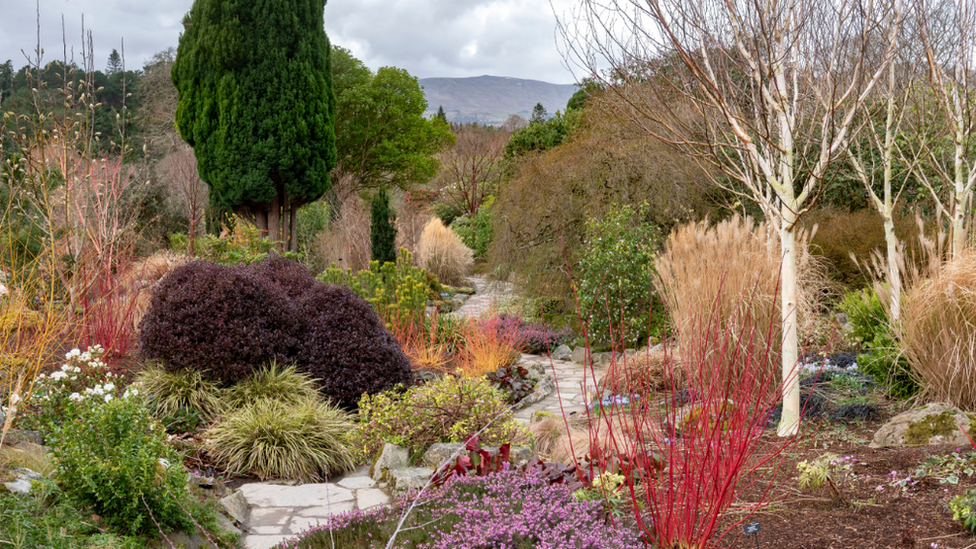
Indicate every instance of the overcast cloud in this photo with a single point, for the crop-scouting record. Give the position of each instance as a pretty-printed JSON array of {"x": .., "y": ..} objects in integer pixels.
[{"x": 429, "y": 38}]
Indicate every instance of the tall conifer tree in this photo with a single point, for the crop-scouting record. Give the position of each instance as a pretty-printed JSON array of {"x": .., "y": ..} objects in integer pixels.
[{"x": 257, "y": 106}]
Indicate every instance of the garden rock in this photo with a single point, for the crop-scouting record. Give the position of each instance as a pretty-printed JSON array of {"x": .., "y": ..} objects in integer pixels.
[
  {"x": 390, "y": 458},
  {"x": 200, "y": 541},
  {"x": 17, "y": 436},
  {"x": 235, "y": 505},
  {"x": 563, "y": 352},
  {"x": 22, "y": 484},
  {"x": 409, "y": 478},
  {"x": 440, "y": 452},
  {"x": 934, "y": 423},
  {"x": 598, "y": 359}
]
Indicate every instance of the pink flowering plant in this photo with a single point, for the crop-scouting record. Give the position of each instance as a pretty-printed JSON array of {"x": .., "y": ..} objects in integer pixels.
[
  {"x": 83, "y": 380},
  {"x": 508, "y": 509}
]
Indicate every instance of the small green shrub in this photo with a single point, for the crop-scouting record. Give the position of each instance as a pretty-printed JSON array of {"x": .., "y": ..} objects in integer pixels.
[
  {"x": 962, "y": 507},
  {"x": 476, "y": 231},
  {"x": 397, "y": 291},
  {"x": 285, "y": 384},
  {"x": 305, "y": 440},
  {"x": 60, "y": 395},
  {"x": 614, "y": 283},
  {"x": 867, "y": 316},
  {"x": 114, "y": 458},
  {"x": 449, "y": 409},
  {"x": 173, "y": 393},
  {"x": 240, "y": 243}
]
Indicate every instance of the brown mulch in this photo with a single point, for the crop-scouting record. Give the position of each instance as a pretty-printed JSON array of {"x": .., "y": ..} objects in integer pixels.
[{"x": 864, "y": 516}]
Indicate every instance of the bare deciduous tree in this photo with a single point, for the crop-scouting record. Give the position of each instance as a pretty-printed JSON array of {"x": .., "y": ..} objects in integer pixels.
[
  {"x": 775, "y": 85},
  {"x": 471, "y": 169},
  {"x": 179, "y": 168},
  {"x": 948, "y": 32}
]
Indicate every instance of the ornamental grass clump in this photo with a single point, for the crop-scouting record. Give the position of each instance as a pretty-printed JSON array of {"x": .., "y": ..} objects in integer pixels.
[
  {"x": 283, "y": 383},
  {"x": 508, "y": 509},
  {"x": 170, "y": 393},
  {"x": 448, "y": 409},
  {"x": 441, "y": 251},
  {"x": 938, "y": 332},
  {"x": 488, "y": 346},
  {"x": 729, "y": 272},
  {"x": 270, "y": 438}
]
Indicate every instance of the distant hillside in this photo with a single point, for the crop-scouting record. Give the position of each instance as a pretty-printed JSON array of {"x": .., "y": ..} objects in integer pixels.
[{"x": 492, "y": 99}]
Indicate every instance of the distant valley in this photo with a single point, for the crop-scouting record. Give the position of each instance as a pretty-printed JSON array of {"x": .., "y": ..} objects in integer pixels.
[{"x": 492, "y": 99}]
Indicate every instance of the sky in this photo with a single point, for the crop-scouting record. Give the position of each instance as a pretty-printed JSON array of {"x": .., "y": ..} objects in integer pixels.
[{"x": 429, "y": 38}]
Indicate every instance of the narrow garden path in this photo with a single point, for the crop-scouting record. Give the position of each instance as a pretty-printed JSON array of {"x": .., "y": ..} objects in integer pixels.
[{"x": 276, "y": 512}]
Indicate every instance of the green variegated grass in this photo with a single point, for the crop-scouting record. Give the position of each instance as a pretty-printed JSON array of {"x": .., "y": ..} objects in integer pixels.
[
  {"x": 273, "y": 439},
  {"x": 173, "y": 391},
  {"x": 280, "y": 383}
]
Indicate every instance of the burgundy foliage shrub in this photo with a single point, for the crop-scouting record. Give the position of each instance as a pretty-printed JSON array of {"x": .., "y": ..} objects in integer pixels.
[
  {"x": 536, "y": 338},
  {"x": 346, "y": 347},
  {"x": 227, "y": 321}
]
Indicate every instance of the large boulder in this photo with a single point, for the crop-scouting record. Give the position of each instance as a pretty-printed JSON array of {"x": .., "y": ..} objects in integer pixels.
[
  {"x": 390, "y": 457},
  {"x": 934, "y": 423}
]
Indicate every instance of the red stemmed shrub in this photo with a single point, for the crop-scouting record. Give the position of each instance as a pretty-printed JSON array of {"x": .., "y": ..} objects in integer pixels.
[
  {"x": 227, "y": 321},
  {"x": 690, "y": 457}
]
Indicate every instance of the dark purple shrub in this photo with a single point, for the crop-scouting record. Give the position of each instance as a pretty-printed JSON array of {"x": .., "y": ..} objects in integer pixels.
[
  {"x": 346, "y": 347},
  {"x": 219, "y": 319},
  {"x": 291, "y": 276},
  {"x": 229, "y": 320}
]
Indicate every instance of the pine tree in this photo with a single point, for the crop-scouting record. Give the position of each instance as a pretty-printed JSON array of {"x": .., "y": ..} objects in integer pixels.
[
  {"x": 257, "y": 106},
  {"x": 441, "y": 115},
  {"x": 539, "y": 114},
  {"x": 382, "y": 233},
  {"x": 114, "y": 63}
]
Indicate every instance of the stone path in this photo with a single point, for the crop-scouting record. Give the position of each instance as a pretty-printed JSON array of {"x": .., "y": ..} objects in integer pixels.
[
  {"x": 487, "y": 295},
  {"x": 277, "y": 512},
  {"x": 569, "y": 382}
]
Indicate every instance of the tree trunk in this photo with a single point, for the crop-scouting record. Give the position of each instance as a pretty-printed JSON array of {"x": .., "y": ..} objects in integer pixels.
[
  {"x": 894, "y": 275},
  {"x": 790, "y": 420},
  {"x": 293, "y": 232},
  {"x": 274, "y": 219},
  {"x": 261, "y": 221}
]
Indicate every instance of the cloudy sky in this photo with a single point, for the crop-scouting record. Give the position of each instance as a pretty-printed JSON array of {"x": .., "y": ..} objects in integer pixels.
[{"x": 429, "y": 38}]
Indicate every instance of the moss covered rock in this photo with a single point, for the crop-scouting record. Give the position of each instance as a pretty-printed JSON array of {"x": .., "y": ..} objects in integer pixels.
[{"x": 934, "y": 423}]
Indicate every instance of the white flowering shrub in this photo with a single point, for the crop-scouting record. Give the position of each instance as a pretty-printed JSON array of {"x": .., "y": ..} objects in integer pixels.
[{"x": 82, "y": 381}]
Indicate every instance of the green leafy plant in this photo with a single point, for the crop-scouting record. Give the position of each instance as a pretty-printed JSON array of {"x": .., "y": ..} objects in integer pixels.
[
  {"x": 285, "y": 384},
  {"x": 948, "y": 468},
  {"x": 962, "y": 507},
  {"x": 476, "y": 231},
  {"x": 397, "y": 291},
  {"x": 172, "y": 393},
  {"x": 448, "y": 409},
  {"x": 867, "y": 317},
  {"x": 239, "y": 242},
  {"x": 615, "y": 280},
  {"x": 47, "y": 519},
  {"x": 828, "y": 469},
  {"x": 59, "y": 396},
  {"x": 270, "y": 438},
  {"x": 115, "y": 459}
]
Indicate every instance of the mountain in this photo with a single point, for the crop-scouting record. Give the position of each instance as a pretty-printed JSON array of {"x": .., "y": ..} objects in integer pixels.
[{"x": 492, "y": 99}]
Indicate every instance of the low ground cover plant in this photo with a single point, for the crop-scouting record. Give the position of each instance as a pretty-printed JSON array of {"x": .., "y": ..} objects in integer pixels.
[
  {"x": 448, "y": 409},
  {"x": 534, "y": 337},
  {"x": 507, "y": 509}
]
